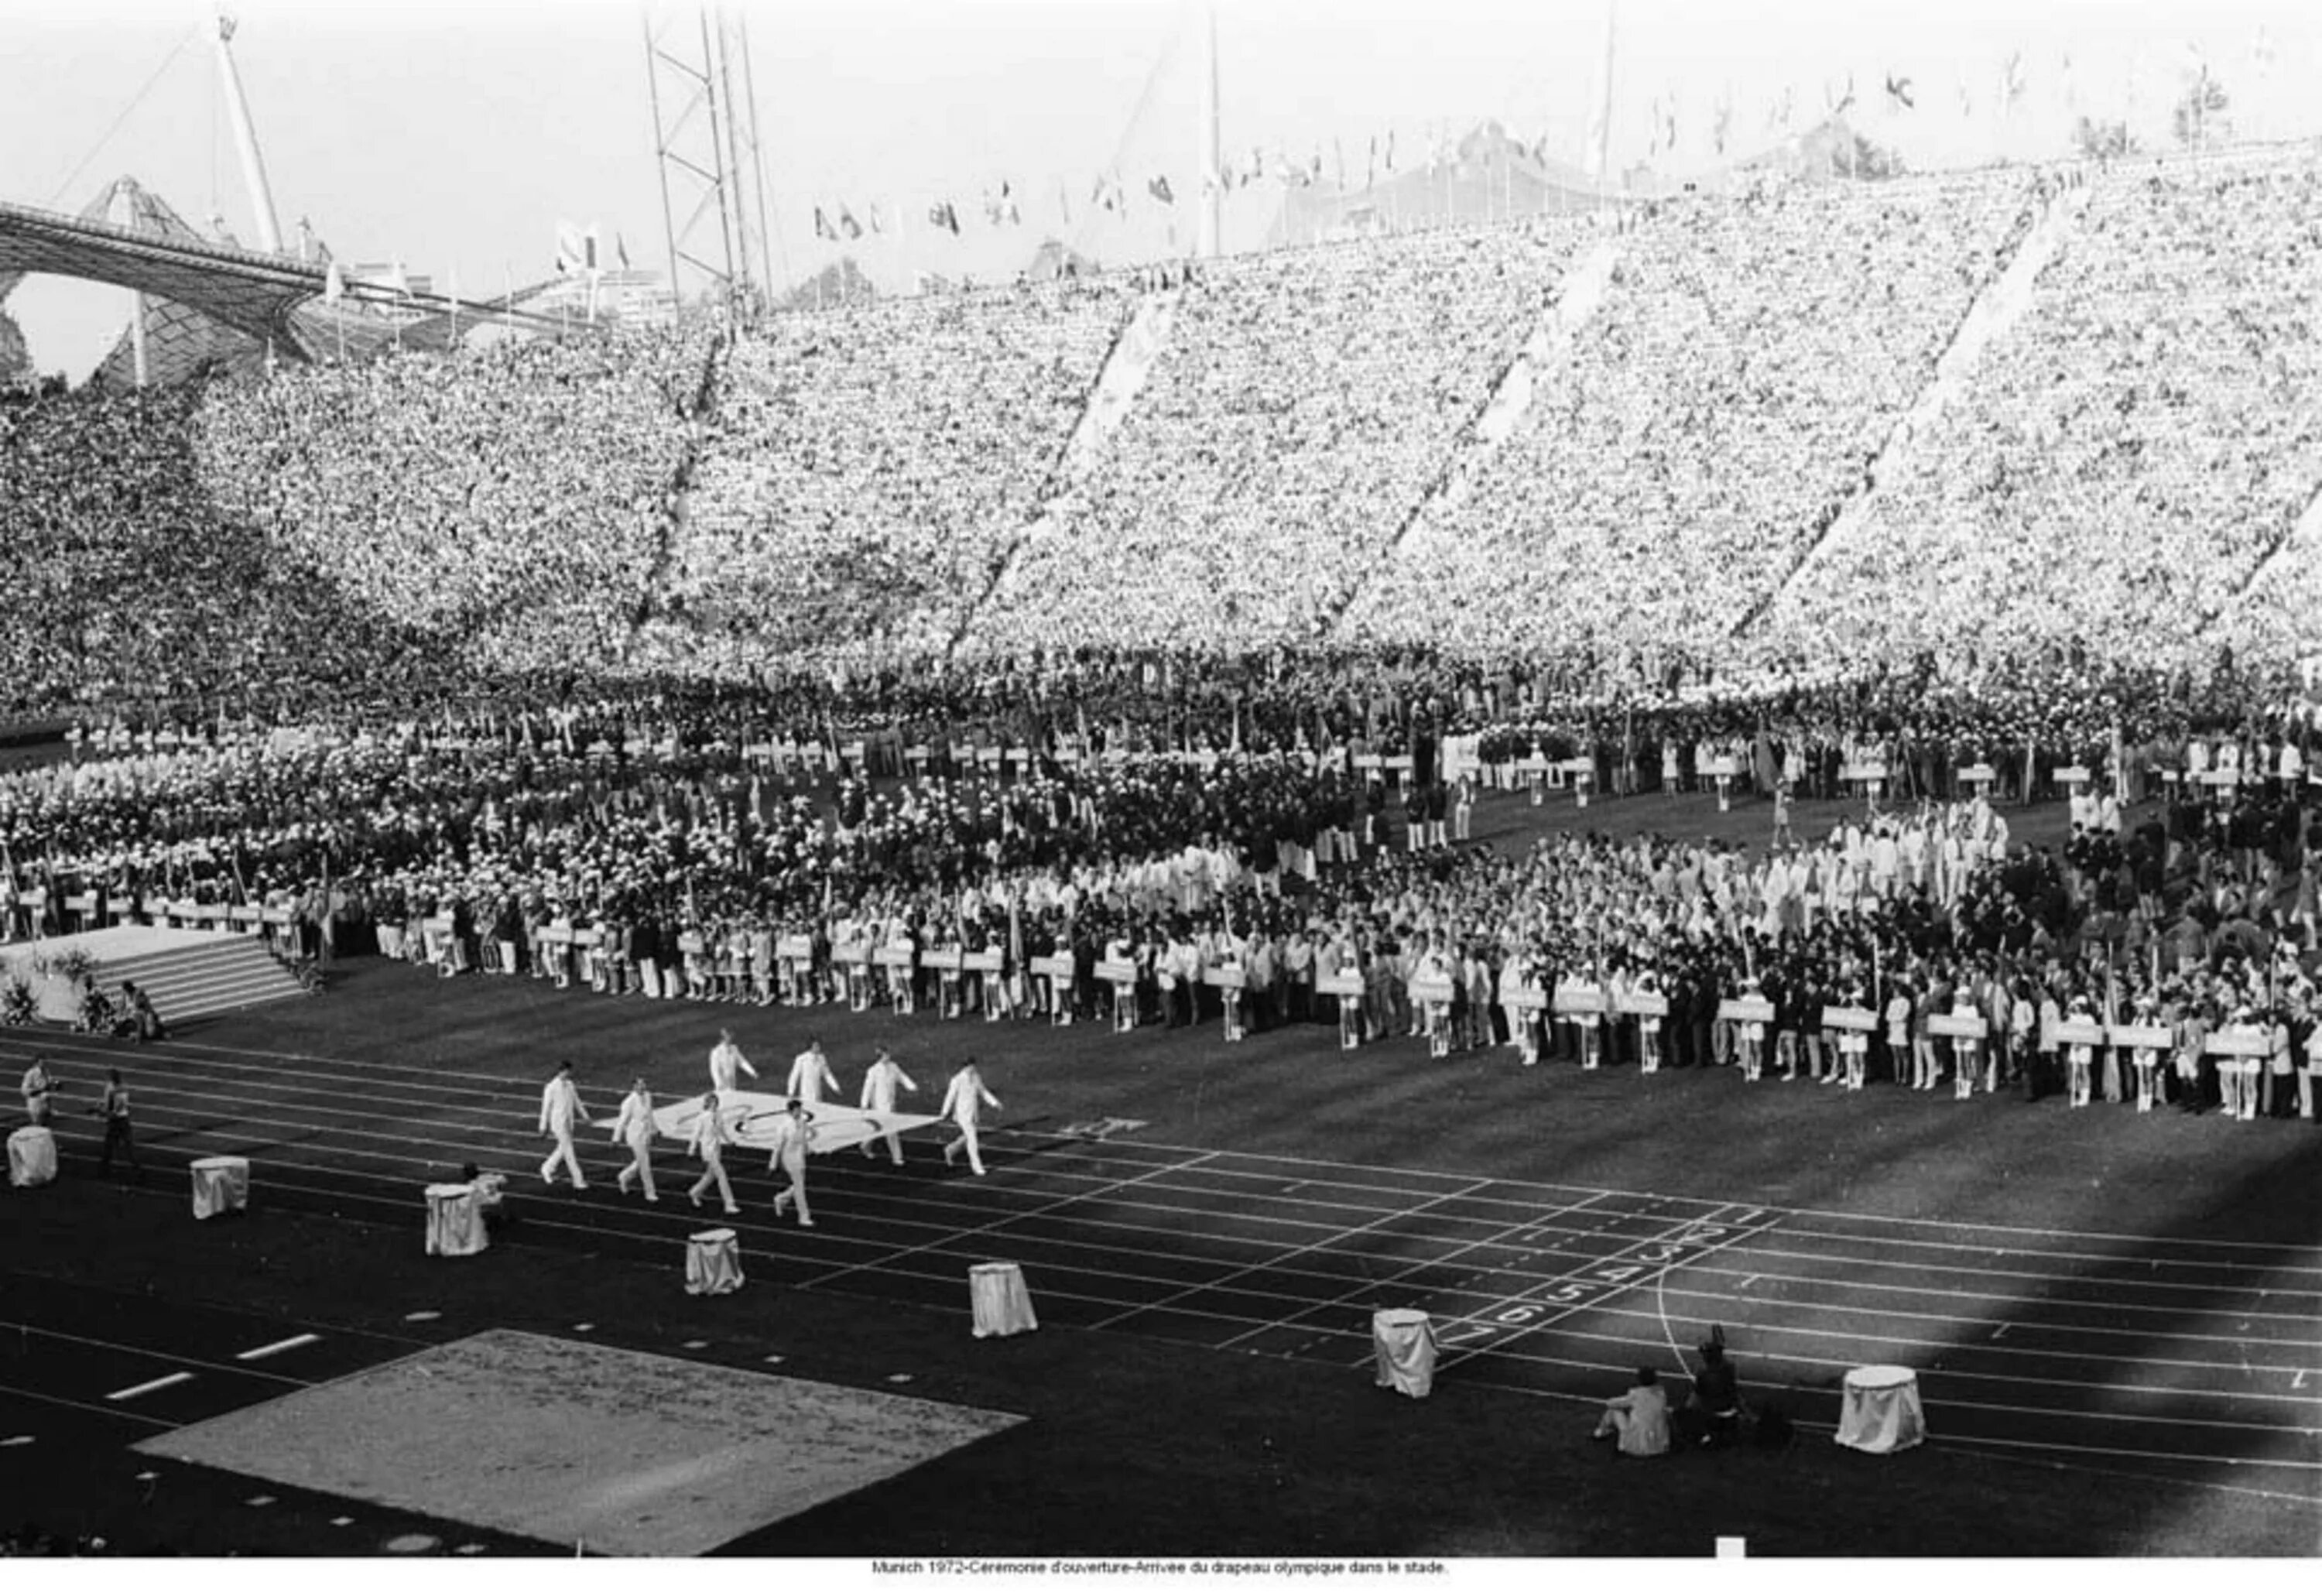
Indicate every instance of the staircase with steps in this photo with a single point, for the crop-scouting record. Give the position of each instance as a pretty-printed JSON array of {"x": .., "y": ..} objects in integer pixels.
[{"x": 213, "y": 975}]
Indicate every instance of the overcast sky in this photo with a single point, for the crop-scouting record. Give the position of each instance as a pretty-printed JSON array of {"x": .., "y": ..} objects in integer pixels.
[{"x": 456, "y": 137}]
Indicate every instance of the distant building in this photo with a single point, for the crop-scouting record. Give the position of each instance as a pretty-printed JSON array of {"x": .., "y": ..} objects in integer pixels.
[
  {"x": 636, "y": 298},
  {"x": 1488, "y": 177}
]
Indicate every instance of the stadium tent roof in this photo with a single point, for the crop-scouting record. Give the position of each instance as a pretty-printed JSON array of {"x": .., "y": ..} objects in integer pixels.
[
  {"x": 210, "y": 303},
  {"x": 250, "y": 293}
]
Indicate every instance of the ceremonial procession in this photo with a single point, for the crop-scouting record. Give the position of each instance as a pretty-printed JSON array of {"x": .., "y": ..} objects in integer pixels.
[{"x": 1588, "y": 830}]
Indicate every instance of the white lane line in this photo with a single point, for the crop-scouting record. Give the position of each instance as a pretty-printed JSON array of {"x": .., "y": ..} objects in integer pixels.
[
  {"x": 271, "y": 1348},
  {"x": 179, "y": 1378}
]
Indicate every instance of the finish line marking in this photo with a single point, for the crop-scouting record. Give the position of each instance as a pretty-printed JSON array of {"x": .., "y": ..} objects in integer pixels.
[
  {"x": 179, "y": 1378},
  {"x": 271, "y": 1348}
]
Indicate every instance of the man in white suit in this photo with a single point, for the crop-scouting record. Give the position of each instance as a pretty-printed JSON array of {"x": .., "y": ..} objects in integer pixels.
[
  {"x": 793, "y": 1135},
  {"x": 560, "y": 1110},
  {"x": 810, "y": 1075},
  {"x": 727, "y": 1066},
  {"x": 885, "y": 1078},
  {"x": 710, "y": 1136},
  {"x": 963, "y": 1101},
  {"x": 636, "y": 1127}
]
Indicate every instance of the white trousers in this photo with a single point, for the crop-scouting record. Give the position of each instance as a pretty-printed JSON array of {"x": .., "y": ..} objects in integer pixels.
[
  {"x": 894, "y": 1142},
  {"x": 713, "y": 1172},
  {"x": 966, "y": 1139},
  {"x": 640, "y": 1168},
  {"x": 565, "y": 1155},
  {"x": 795, "y": 1192}
]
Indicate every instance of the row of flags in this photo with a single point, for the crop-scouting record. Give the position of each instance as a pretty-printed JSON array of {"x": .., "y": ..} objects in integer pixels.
[
  {"x": 841, "y": 221},
  {"x": 1895, "y": 94},
  {"x": 1898, "y": 95}
]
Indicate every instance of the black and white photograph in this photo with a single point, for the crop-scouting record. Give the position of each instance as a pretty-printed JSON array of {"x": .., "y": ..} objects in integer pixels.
[{"x": 1158, "y": 793}]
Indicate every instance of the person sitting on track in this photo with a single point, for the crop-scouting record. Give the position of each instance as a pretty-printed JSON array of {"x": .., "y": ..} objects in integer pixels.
[{"x": 1640, "y": 1418}]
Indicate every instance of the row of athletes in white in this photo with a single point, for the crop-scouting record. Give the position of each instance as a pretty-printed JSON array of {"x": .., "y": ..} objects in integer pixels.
[{"x": 561, "y": 1113}]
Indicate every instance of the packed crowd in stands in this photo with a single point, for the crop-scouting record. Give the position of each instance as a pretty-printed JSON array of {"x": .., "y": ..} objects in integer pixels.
[
  {"x": 515, "y": 502},
  {"x": 1301, "y": 411},
  {"x": 2124, "y": 456},
  {"x": 1708, "y": 421},
  {"x": 127, "y": 590},
  {"x": 892, "y": 487},
  {"x": 868, "y": 468}
]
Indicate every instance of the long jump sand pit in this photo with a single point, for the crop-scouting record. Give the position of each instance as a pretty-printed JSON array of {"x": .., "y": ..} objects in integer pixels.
[{"x": 620, "y": 1452}]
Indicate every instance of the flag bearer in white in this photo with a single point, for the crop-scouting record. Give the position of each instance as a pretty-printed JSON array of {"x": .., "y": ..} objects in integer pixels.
[
  {"x": 879, "y": 1088},
  {"x": 793, "y": 1135},
  {"x": 810, "y": 1075},
  {"x": 710, "y": 1136},
  {"x": 560, "y": 1110},
  {"x": 636, "y": 1127},
  {"x": 727, "y": 1066},
  {"x": 963, "y": 1101}
]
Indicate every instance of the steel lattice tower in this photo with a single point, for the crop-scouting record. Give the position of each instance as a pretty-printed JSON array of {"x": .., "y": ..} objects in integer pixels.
[{"x": 713, "y": 187}]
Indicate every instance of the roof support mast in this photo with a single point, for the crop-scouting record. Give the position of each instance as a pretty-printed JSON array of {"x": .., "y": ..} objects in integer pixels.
[
  {"x": 246, "y": 139},
  {"x": 706, "y": 143},
  {"x": 1213, "y": 177}
]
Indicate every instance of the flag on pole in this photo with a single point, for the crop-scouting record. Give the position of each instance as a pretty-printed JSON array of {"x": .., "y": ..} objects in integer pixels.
[
  {"x": 848, "y": 225},
  {"x": 1158, "y": 187},
  {"x": 1596, "y": 154},
  {"x": 822, "y": 227},
  {"x": 1899, "y": 93},
  {"x": 334, "y": 286},
  {"x": 943, "y": 215}
]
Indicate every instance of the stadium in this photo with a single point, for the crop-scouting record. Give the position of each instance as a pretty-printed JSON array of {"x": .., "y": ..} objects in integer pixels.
[{"x": 1641, "y": 773}]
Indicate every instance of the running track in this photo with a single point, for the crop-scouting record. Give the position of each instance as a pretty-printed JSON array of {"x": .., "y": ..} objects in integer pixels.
[{"x": 2196, "y": 1360}]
